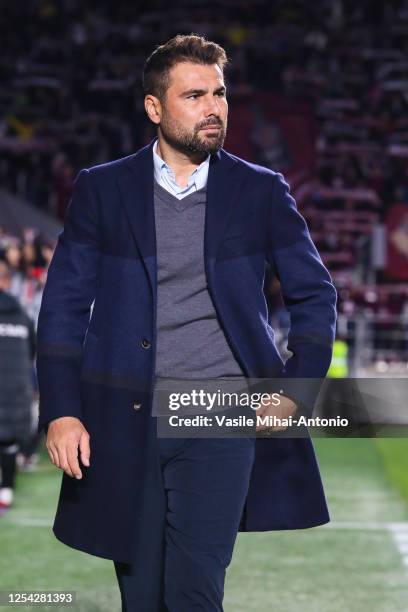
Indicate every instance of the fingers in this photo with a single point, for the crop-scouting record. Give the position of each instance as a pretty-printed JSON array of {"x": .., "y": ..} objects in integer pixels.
[
  {"x": 53, "y": 456},
  {"x": 64, "y": 453},
  {"x": 72, "y": 458},
  {"x": 65, "y": 462},
  {"x": 270, "y": 411},
  {"x": 272, "y": 428},
  {"x": 84, "y": 448},
  {"x": 263, "y": 412},
  {"x": 62, "y": 460},
  {"x": 259, "y": 413}
]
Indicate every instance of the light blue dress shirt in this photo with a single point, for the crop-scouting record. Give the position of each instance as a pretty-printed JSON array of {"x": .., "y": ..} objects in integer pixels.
[{"x": 165, "y": 176}]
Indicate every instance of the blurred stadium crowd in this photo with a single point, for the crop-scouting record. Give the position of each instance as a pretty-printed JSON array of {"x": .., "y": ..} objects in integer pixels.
[
  {"x": 28, "y": 258},
  {"x": 317, "y": 91}
]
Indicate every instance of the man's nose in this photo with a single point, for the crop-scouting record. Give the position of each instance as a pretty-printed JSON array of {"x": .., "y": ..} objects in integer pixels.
[{"x": 212, "y": 107}]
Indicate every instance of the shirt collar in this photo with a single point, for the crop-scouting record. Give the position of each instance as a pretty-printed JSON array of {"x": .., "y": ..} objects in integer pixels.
[{"x": 162, "y": 170}]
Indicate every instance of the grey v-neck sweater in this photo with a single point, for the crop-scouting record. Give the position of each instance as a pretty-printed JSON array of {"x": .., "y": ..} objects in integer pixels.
[{"x": 190, "y": 340}]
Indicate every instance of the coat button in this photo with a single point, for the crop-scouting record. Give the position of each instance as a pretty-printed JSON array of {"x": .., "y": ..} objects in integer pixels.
[
  {"x": 137, "y": 406},
  {"x": 145, "y": 343}
]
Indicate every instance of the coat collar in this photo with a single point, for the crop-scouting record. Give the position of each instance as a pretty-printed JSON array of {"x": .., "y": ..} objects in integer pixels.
[{"x": 136, "y": 182}]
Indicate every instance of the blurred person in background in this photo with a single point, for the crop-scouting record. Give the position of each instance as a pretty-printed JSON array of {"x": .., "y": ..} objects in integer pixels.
[
  {"x": 28, "y": 258},
  {"x": 17, "y": 351},
  {"x": 340, "y": 396},
  {"x": 14, "y": 257}
]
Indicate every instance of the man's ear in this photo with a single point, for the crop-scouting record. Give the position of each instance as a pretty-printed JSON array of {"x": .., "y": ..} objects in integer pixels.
[{"x": 153, "y": 108}]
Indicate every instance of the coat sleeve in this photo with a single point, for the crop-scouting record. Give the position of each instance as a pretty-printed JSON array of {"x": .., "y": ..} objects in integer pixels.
[
  {"x": 308, "y": 294},
  {"x": 66, "y": 304}
]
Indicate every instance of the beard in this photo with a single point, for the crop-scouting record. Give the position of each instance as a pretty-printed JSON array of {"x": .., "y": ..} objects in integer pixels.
[{"x": 193, "y": 141}]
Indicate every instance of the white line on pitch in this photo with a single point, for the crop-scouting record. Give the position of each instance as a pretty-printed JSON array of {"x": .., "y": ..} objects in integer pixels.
[
  {"x": 26, "y": 521},
  {"x": 399, "y": 527}
]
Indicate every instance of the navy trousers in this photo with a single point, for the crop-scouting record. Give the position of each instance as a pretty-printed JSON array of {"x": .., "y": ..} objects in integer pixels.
[{"x": 193, "y": 506}]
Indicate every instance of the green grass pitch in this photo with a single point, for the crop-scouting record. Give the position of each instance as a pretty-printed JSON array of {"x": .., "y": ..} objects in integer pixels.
[{"x": 353, "y": 564}]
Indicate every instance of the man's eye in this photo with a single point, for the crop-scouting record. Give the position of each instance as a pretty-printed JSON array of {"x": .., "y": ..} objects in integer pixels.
[
  {"x": 194, "y": 96},
  {"x": 221, "y": 93}
]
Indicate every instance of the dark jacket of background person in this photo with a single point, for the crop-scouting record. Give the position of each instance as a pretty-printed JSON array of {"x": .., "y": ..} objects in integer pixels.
[{"x": 17, "y": 349}]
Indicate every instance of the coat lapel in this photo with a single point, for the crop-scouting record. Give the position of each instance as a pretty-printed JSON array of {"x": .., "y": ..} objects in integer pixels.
[
  {"x": 223, "y": 188},
  {"x": 136, "y": 187}
]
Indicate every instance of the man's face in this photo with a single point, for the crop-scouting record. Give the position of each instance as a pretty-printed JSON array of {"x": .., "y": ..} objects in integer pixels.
[{"x": 194, "y": 110}]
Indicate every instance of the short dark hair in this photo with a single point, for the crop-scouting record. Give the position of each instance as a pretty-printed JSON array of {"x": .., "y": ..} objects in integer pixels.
[{"x": 180, "y": 48}]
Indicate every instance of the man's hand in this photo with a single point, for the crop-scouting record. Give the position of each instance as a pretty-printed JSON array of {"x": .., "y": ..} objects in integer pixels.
[
  {"x": 283, "y": 410},
  {"x": 64, "y": 436}
]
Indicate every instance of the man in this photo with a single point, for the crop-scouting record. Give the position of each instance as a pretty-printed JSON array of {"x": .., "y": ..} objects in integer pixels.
[
  {"x": 17, "y": 350},
  {"x": 170, "y": 246}
]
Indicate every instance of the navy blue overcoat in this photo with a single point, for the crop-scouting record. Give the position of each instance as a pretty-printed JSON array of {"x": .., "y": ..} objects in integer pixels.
[{"x": 98, "y": 310}]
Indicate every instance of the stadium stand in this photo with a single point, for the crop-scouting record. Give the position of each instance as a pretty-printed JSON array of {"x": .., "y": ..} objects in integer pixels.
[{"x": 318, "y": 91}]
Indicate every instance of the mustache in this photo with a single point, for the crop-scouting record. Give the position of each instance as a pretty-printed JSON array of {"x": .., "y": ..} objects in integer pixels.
[{"x": 217, "y": 123}]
